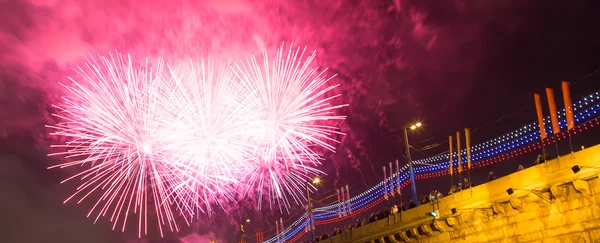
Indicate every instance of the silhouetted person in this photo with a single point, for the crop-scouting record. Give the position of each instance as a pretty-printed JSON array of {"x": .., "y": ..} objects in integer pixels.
[
  {"x": 411, "y": 204},
  {"x": 466, "y": 183},
  {"x": 492, "y": 176},
  {"x": 520, "y": 168},
  {"x": 432, "y": 195},
  {"x": 452, "y": 190},
  {"x": 542, "y": 157}
]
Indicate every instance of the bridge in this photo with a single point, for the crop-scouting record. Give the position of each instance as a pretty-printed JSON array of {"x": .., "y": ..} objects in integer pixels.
[
  {"x": 548, "y": 202},
  {"x": 414, "y": 226}
]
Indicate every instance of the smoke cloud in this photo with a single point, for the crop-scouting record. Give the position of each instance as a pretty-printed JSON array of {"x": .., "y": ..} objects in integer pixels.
[{"x": 382, "y": 51}]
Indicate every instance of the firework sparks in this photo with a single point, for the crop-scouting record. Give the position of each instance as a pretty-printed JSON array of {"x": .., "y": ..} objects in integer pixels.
[
  {"x": 210, "y": 124},
  {"x": 291, "y": 108},
  {"x": 109, "y": 124},
  {"x": 187, "y": 138}
]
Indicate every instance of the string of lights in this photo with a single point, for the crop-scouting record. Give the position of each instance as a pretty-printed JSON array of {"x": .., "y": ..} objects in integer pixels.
[
  {"x": 516, "y": 144},
  {"x": 502, "y": 143},
  {"x": 521, "y": 141},
  {"x": 378, "y": 194}
]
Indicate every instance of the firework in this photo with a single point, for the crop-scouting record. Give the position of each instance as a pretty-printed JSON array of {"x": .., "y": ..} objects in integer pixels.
[
  {"x": 180, "y": 139},
  {"x": 209, "y": 129},
  {"x": 110, "y": 122},
  {"x": 291, "y": 107}
]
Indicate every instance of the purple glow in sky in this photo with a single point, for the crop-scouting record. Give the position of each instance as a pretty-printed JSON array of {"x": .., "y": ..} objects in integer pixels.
[{"x": 447, "y": 63}]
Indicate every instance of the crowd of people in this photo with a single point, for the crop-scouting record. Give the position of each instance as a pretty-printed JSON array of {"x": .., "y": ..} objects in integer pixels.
[
  {"x": 432, "y": 197},
  {"x": 379, "y": 215}
]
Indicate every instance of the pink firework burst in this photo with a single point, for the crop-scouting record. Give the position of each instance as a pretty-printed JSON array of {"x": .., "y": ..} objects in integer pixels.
[
  {"x": 210, "y": 124},
  {"x": 156, "y": 142},
  {"x": 111, "y": 121},
  {"x": 291, "y": 107}
]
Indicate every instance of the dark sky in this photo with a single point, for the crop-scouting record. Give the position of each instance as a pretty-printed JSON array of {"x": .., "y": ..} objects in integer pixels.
[{"x": 449, "y": 64}]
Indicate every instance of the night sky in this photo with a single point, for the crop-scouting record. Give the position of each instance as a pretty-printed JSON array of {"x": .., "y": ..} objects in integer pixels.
[{"x": 449, "y": 64}]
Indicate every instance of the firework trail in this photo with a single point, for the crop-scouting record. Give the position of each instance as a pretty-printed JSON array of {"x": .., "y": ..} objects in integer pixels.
[
  {"x": 290, "y": 104},
  {"x": 110, "y": 124}
]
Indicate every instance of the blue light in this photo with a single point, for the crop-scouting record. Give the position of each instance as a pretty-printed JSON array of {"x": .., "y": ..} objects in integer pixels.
[{"x": 523, "y": 136}]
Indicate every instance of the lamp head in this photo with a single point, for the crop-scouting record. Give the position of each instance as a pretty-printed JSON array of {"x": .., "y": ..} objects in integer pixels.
[
  {"x": 247, "y": 220},
  {"x": 415, "y": 126},
  {"x": 433, "y": 214},
  {"x": 316, "y": 180}
]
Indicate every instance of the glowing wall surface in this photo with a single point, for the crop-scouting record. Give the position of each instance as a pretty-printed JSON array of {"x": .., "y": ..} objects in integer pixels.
[{"x": 486, "y": 213}]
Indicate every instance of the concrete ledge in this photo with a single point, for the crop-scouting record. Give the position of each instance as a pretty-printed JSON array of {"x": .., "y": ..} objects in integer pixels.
[
  {"x": 465, "y": 219},
  {"x": 582, "y": 186},
  {"x": 414, "y": 233},
  {"x": 451, "y": 221},
  {"x": 392, "y": 239},
  {"x": 517, "y": 217},
  {"x": 404, "y": 236},
  {"x": 557, "y": 192},
  {"x": 427, "y": 230},
  {"x": 498, "y": 209},
  {"x": 516, "y": 203},
  {"x": 440, "y": 226}
]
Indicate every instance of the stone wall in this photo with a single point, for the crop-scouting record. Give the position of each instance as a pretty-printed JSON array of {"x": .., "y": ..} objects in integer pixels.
[{"x": 549, "y": 203}]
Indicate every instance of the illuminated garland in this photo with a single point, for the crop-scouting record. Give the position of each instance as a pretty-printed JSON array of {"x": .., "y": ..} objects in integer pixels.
[
  {"x": 379, "y": 192},
  {"x": 518, "y": 142},
  {"x": 518, "y": 146},
  {"x": 502, "y": 143},
  {"x": 442, "y": 169}
]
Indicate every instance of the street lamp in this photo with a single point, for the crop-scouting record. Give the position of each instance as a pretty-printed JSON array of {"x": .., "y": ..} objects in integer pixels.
[
  {"x": 242, "y": 230},
  {"x": 410, "y": 164},
  {"x": 315, "y": 181},
  {"x": 417, "y": 125}
]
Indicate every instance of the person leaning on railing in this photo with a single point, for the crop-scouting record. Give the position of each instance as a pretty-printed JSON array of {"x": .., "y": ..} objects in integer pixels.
[{"x": 466, "y": 183}]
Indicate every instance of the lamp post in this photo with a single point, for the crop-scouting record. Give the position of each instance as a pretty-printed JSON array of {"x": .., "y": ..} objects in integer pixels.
[
  {"x": 315, "y": 181},
  {"x": 242, "y": 230},
  {"x": 410, "y": 164}
]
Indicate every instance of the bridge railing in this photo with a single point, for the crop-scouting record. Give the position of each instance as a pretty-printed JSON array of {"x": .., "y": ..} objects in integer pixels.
[
  {"x": 520, "y": 141},
  {"x": 543, "y": 176}
]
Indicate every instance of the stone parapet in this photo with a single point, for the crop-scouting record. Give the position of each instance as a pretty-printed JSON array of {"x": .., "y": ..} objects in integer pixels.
[{"x": 549, "y": 203}]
